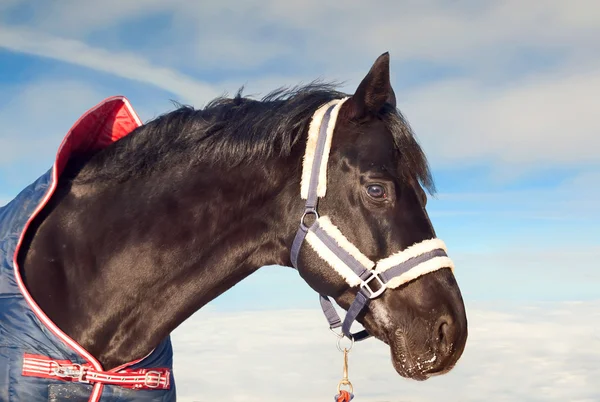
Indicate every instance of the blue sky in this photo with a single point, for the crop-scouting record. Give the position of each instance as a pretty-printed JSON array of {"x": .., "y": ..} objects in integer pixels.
[
  {"x": 503, "y": 97},
  {"x": 505, "y": 111}
]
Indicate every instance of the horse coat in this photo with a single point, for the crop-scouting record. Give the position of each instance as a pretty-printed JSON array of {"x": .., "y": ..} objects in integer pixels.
[{"x": 38, "y": 362}]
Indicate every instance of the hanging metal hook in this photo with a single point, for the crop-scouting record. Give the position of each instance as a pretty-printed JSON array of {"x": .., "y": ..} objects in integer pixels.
[{"x": 345, "y": 382}]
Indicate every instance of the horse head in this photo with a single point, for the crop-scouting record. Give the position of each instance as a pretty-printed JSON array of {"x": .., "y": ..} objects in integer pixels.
[{"x": 365, "y": 238}]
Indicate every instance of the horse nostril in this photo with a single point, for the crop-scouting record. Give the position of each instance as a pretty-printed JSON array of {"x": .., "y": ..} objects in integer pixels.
[{"x": 444, "y": 335}]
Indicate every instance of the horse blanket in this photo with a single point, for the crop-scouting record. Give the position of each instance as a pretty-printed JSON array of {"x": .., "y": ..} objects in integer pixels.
[{"x": 39, "y": 362}]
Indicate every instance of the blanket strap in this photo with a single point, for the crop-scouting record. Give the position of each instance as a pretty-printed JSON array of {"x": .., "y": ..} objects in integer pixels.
[{"x": 45, "y": 367}]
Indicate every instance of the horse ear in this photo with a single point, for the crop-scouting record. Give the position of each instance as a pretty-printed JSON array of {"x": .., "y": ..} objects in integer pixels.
[{"x": 374, "y": 91}]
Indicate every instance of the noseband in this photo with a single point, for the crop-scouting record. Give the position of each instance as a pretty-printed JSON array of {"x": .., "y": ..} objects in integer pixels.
[{"x": 372, "y": 279}]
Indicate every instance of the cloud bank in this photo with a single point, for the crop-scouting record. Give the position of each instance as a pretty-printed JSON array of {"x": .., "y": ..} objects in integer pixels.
[{"x": 539, "y": 352}]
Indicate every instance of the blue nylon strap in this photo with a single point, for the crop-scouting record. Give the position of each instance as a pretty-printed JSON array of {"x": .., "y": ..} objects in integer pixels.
[
  {"x": 361, "y": 335},
  {"x": 359, "y": 269},
  {"x": 362, "y": 297},
  {"x": 297, "y": 245},
  {"x": 312, "y": 199},
  {"x": 407, "y": 265},
  {"x": 311, "y": 204},
  {"x": 360, "y": 302},
  {"x": 332, "y": 317}
]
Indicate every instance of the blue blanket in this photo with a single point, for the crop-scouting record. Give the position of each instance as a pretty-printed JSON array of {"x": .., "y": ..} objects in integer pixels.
[{"x": 26, "y": 331}]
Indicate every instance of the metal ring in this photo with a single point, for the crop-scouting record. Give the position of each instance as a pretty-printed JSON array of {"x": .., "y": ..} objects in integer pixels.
[
  {"x": 340, "y": 347},
  {"x": 308, "y": 212},
  {"x": 348, "y": 384}
]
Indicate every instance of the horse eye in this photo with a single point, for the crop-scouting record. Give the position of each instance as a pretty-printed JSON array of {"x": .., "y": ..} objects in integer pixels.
[{"x": 376, "y": 191}]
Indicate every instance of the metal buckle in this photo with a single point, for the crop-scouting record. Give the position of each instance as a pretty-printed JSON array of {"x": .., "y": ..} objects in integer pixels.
[
  {"x": 75, "y": 371},
  {"x": 58, "y": 371},
  {"x": 365, "y": 284},
  {"x": 147, "y": 379}
]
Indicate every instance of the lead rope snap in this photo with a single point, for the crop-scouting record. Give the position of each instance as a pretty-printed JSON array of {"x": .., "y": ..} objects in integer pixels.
[{"x": 345, "y": 395}]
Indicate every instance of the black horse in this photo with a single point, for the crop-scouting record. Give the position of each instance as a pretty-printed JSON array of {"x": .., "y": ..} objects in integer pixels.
[{"x": 140, "y": 235}]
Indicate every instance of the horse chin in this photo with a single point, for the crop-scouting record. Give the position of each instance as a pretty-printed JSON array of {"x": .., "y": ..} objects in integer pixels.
[
  {"x": 411, "y": 364},
  {"x": 412, "y": 359}
]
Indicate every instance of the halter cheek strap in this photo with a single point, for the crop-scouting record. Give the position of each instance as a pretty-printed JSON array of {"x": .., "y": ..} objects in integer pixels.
[{"x": 324, "y": 238}]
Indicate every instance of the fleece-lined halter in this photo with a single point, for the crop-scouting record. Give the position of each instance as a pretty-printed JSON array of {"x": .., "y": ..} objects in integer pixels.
[{"x": 340, "y": 254}]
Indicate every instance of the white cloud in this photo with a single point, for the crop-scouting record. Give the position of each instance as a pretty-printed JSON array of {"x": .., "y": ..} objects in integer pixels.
[
  {"x": 331, "y": 33},
  {"x": 79, "y": 18},
  {"x": 39, "y": 115},
  {"x": 575, "y": 199},
  {"x": 34, "y": 121},
  {"x": 338, "y": 37},
  {"x": 121, "y": 64},
  {"x": 490, "y": 270},
  {"x": 538, "y": 121},
  {"x": 525, "y": 100},
  {"x": 519, "y": 353}
]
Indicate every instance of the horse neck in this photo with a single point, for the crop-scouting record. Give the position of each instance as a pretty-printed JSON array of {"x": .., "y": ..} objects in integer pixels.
[{"x": 140, "y": 257}]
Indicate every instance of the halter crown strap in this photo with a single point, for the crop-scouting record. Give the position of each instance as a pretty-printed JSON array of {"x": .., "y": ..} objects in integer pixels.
[{"x": 332, "y": 246}]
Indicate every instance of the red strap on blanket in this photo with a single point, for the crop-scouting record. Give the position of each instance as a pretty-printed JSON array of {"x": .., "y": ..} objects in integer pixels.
[{"x": 45, "y": 367}]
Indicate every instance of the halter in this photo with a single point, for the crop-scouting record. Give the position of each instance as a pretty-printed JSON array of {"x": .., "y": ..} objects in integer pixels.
[{"x": 373, "y": 279}]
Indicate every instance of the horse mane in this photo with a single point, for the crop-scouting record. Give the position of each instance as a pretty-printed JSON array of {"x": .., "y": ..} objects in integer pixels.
[{"x": 232, "y": 131}]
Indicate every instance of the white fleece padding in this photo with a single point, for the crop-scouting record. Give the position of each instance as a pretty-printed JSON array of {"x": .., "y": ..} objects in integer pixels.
[
  {"x": 343, "y": 242},
  {"x": 338, "y": 265},
  {"x": 413, "y": 251},
  {"x": 424, "y": 268},
  {"x": 311, "y": 147},
  {"x": 384, "y": 264}
]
